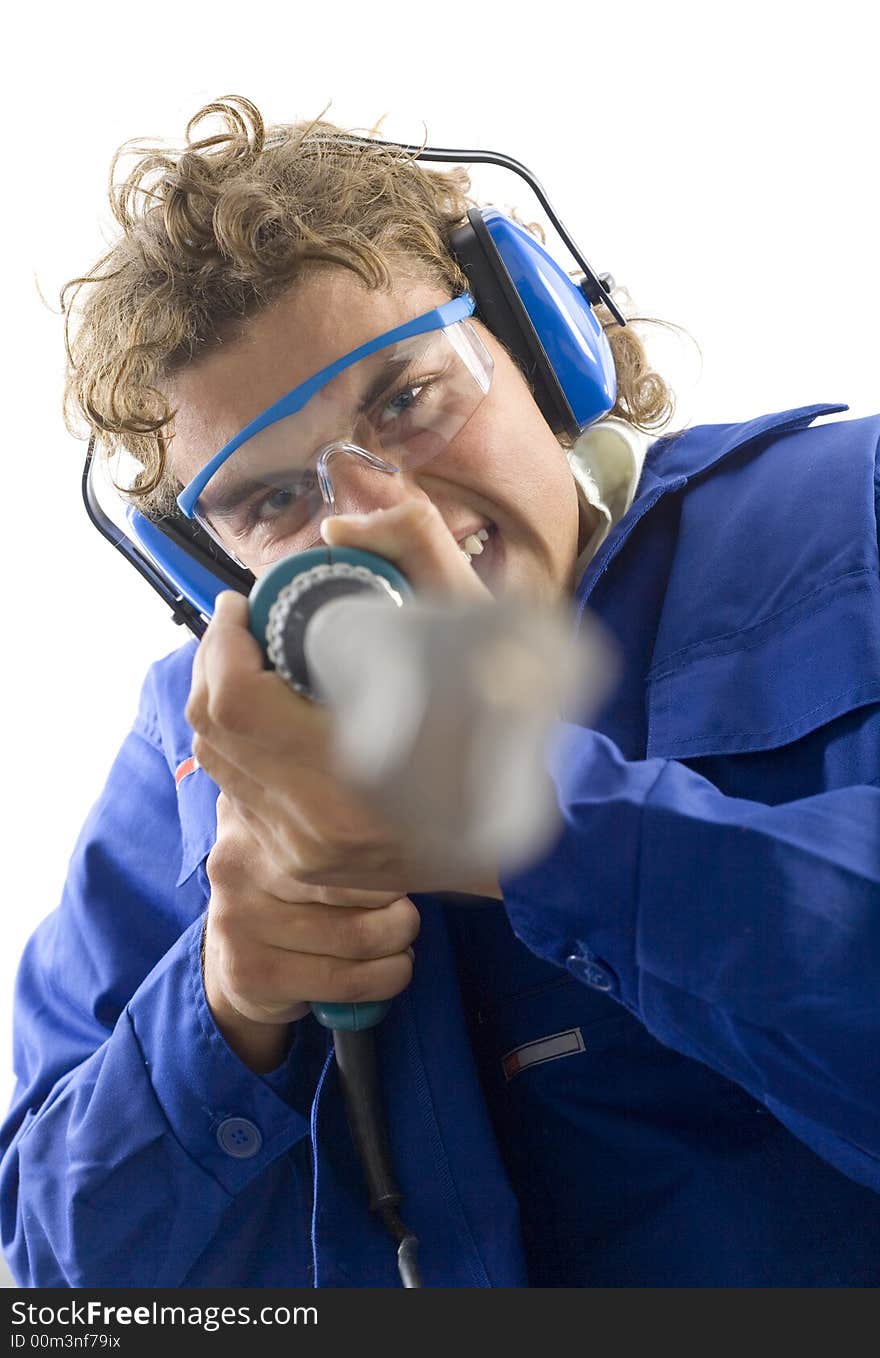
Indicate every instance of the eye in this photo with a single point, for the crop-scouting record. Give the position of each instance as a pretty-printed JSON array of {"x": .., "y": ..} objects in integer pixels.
[
  {"x": 281, "y": 509},
  {"x": 401, "y": 402},
  {"x": 276, "y": 503}
]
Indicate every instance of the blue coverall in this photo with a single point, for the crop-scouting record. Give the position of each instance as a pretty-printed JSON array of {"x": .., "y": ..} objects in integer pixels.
[{"x": 700, "y": 951}]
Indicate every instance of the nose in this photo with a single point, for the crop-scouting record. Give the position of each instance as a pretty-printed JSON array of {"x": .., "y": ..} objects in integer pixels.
[{"x": 360, "y": 481}]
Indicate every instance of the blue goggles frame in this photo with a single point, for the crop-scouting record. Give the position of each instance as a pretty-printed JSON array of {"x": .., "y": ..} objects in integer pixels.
[{"x": 439, "y": 318}]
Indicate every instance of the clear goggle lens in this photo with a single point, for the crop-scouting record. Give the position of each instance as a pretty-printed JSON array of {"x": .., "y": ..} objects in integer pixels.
[{"x": 397, "y": 409}]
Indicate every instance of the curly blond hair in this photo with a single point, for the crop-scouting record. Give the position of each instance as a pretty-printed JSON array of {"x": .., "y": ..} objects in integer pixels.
[{"x": 217, "y": 230}]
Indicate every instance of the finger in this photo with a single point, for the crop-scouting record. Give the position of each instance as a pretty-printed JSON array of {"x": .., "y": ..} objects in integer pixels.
[
  {"x": 414, "y": 537},
  {"x": 231, "y": 609},
  {"x": 327, "y": 980},
  {"x": 228, "y": 644},
  {"x": 233, "y": 692},
  {"x": 256, "y": 841},
  {"x": 257, "y": 722},
  {"x": 314, "y": 834},
  {"x": 242, "y": 791},
  {"x": 254, "y": 860},
  {"x": 242, "y": 860},
  {"x": 294, "y": 891},
  {"x": 353, "y": 934}
]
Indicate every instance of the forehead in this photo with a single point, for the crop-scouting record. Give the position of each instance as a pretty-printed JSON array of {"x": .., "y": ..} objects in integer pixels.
[{"x": 321, "y": 318}]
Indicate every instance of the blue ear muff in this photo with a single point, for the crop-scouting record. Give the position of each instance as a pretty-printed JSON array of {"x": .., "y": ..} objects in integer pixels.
[
  {"x": 542, "y": 317},
  {"x": 187, "y": 558}
]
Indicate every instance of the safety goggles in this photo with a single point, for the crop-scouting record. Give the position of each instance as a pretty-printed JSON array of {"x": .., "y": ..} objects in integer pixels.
[{"x": 394, "y": 404}]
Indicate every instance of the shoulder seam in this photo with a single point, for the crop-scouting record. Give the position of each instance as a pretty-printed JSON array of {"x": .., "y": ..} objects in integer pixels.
[{"x": 149, "y": 731}]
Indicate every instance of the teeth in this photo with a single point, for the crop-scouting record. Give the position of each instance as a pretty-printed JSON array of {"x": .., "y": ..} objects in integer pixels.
[{"x": 472, "y": 545}]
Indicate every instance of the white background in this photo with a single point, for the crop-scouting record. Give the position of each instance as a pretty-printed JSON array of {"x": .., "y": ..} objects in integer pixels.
[{"x": 719, "y": 161}]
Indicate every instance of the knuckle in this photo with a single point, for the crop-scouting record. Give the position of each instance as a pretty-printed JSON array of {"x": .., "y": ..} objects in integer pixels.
[
  {"x": 250, "y": 973},
  {"x": 223, "y": 864},
  {"x": 356, "y": 982},
  {"x": 228, "y": 709},
  {"x": 200, "y": 748},
  {"x": 362, "y": 936},
  {"x": 418, "y": 515},
  {"x": 195, "y": 711},
  {"x": 371, "y": 934},
  {"x": 353, "y": 985},
  {"x": 224, "y": 934}
]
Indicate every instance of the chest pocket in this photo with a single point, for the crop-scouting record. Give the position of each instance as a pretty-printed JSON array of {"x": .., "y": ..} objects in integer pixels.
[
  {"x": 524, "y": 1013},
  {"x": 770, "y": 628},
  {"x": 562, "y": 1065},
  {"x": 562, "y": 1022}
]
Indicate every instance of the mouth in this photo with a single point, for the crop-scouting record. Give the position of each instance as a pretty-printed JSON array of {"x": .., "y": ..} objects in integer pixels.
[{"x": 482, "y": 550}]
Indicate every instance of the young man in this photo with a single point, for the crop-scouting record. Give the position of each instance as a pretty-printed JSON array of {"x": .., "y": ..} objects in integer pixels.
[{"x": 645, "y": 1060}]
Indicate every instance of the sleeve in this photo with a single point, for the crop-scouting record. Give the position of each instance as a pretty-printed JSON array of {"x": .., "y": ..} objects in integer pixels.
[
  {"x": 741, "y": 934},
  {"x": 133, "y": 1127}
]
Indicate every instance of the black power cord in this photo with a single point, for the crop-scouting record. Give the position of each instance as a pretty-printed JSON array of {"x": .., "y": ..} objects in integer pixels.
[{"x": 356, "y": 1061}]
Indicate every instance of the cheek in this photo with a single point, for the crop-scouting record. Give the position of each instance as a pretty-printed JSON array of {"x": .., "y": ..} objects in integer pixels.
[{"x": 514, "y": 459}]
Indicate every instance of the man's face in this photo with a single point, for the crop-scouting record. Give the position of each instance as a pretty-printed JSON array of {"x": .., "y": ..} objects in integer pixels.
[{"x": 502, "y": 474}]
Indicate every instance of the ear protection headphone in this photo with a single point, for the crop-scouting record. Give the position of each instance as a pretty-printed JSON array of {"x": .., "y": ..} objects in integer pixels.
[{"x": 524, "y": 297}]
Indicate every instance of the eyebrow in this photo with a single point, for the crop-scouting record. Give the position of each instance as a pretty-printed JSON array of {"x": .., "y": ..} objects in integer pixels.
[{"x": 383, "y": 379}]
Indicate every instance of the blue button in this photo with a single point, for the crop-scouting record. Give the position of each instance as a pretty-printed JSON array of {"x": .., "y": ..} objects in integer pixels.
[
  {"x": 239, "y": 1137},
  {"x": 586, "y": 967}
]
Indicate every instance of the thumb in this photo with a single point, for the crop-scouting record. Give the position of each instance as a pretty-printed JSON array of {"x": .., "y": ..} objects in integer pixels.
[{"x": 414, "y": 537}]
